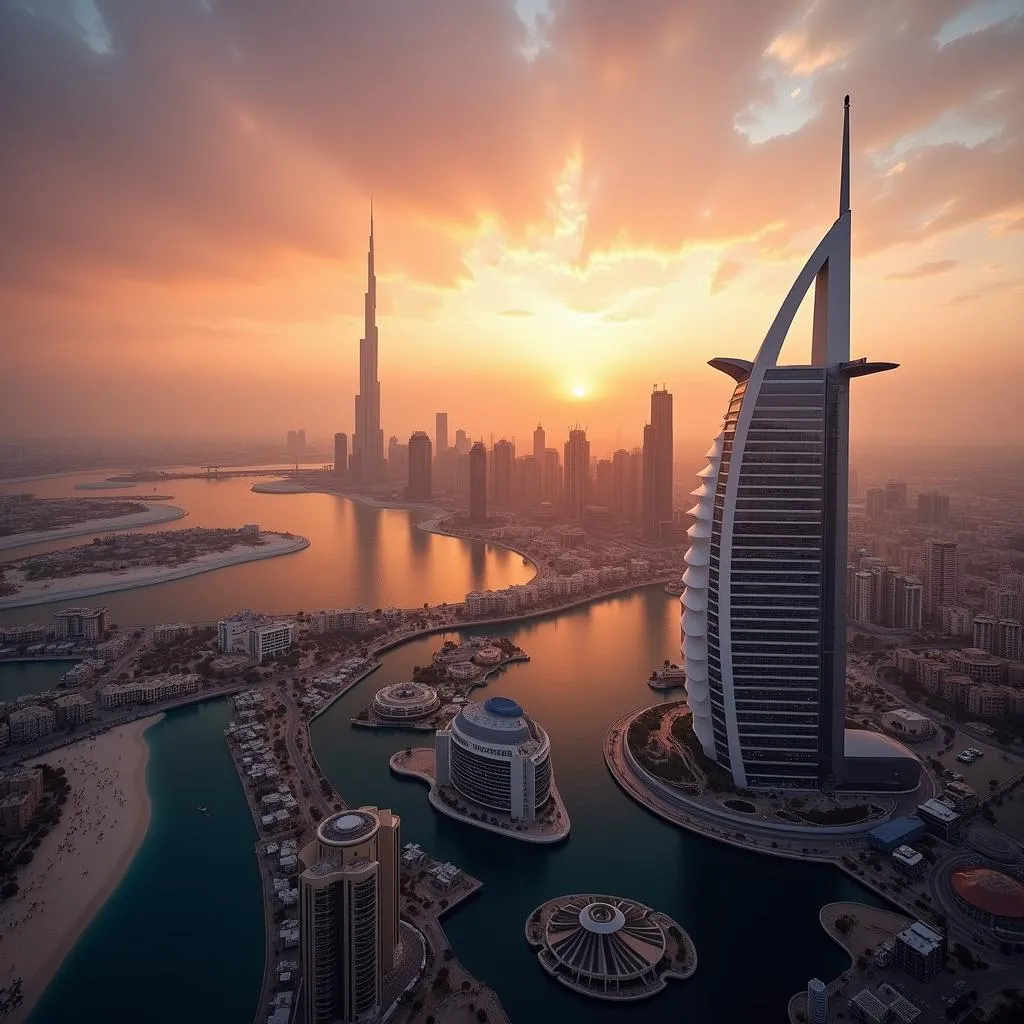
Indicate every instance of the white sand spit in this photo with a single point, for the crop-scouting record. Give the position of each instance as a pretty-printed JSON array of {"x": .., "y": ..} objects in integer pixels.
[{"x": 82, "y": 860}]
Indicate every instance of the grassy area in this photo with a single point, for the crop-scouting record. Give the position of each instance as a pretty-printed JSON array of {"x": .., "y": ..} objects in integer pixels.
[
  {"x": 669, "y": 767},
  {"x": 718, "y": 779}
]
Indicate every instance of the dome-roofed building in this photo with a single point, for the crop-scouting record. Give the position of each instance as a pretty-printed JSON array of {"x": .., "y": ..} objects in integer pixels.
[
  {"x": 993, "y": 897},
  {"x": 497, "y": 757},
  {"x": 405, "y": 701},
  {"x": 609, "y": 947},
  {"x": 489, "y": 655}
]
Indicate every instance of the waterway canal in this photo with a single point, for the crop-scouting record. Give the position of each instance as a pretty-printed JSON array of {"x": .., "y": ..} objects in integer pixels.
[{"x": 182, "y": 938}]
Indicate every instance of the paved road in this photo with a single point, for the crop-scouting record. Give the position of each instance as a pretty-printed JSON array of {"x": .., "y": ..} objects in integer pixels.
[
  {"x": 296, "y": 725},
  {"x": 868, "y": 674}
]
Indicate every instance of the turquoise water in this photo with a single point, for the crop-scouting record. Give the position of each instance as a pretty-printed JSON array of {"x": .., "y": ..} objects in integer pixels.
[
  {"x": 181, "y": 938},
  {"x": 754, "y": 919},
  {"x": 18, "y": 677}
]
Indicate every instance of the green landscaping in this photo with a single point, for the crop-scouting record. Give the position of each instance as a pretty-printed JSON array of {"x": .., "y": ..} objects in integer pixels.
[{"x": 665, "y": 765}]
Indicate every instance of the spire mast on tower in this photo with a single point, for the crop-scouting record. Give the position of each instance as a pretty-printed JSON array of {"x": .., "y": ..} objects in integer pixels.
[{"x": 844, "y": 179}]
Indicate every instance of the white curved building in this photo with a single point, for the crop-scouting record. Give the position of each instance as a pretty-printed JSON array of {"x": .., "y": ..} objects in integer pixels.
[
  {"x": 406, "y": 701},
  {"x": 763, "y": 620},
  {"x": 497, "y": 757}
]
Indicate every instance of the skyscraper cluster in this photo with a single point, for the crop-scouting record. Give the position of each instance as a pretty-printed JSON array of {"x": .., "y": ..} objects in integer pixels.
[
  {"x": 633, "y": 487},
  {"x": 890, "y": 504},
  {"x": 883, "y": 595}
]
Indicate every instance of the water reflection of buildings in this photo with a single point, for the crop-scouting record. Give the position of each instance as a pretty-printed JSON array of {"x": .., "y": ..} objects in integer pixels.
[
  {"x": 366, "y": 526},
  {"x": 419, "y": 541},
  {"x": 477, "y": 563}
]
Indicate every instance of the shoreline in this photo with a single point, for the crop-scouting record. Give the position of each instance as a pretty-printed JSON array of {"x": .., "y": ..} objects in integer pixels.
[
  {"x": 53, "y": 476},
  {"x": 637, "y": 790},
  {"x": 151, "y": 576},
  {"x": 75, "y": 871},
  {"x": 154, "y": 514},
  {"x": 431, "y": 526},
  {"x": 875, "y": 920}
]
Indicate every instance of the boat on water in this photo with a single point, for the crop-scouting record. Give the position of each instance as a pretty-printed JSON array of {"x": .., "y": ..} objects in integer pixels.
[
  {"x": 675, "y": 589},
  {"x": 667, "y": 678},
  {"x": 202, "y": 809}
]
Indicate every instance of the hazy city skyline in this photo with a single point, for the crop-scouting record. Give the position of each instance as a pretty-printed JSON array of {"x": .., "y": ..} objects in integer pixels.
[{"x": 210, "y": 277}]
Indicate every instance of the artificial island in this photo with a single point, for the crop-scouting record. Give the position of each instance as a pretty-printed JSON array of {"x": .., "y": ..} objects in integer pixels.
[
  {"x": 437, "y": 691},
  {"x": 128, "y": 560},
  {"x": 26, "y": 519},
  {"x": 608, "y": 947},
  {"x": 491, "y": 767}
]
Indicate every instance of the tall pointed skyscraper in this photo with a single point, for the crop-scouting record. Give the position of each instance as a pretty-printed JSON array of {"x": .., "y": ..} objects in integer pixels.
[
  {"x": 764, "y": 619},
  {"x": 367, "y": 462}
]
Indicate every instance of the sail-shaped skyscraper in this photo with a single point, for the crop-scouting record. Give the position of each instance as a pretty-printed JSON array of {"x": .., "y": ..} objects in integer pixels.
[
  {"x": 367, "y": 461},
  {"x": 763, "y": 618}
]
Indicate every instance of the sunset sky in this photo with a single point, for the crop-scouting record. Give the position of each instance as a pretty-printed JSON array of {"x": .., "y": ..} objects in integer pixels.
[{"x": 570, "y": 195}]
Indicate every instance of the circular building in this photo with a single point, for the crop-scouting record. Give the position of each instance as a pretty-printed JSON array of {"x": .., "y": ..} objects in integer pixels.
[
  {"x": 346, "y": 828},
  {"x": 993, "y": 897},
  {"x": 609, "y": 947},
  {"x": 461, "y": 671},
  {"x": 489, "y": 655},
  {"x": 405, "y": 701},
  {"x": 497, "y": 757}
]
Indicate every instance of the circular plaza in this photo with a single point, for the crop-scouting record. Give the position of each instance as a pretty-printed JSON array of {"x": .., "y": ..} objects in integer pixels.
[
  {"x": 609, "y": 947},
  {"x": 403, "y": 702}
]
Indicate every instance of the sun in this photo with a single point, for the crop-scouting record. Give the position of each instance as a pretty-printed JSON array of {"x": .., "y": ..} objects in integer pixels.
[{"x": 579, "y": 391}]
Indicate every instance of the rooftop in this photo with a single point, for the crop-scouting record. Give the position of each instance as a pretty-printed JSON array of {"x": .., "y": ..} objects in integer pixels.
[
  {"x": 921, "y": 938},
  {"x": 499, "y": 721},
  {"x": 867, "y": 743},
  {"x": 907, "y": 854},
  {"x": 605, "y": 937},
  {"x": 896, "y": 829},
  {"x": 347, "y": 827},
  {"x": 937, "y": 809},
  {"x": 909, "y": 716},
  {"x": 990, "y": 890}
]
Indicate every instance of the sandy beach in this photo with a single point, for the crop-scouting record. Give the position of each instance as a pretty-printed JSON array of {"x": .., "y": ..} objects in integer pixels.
[
  {"x": 153, "y": 514},
  {"x": 278, "y": 487},
  {"x": 79, "y": 864},
  {"x": 88, "y": 584}
]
